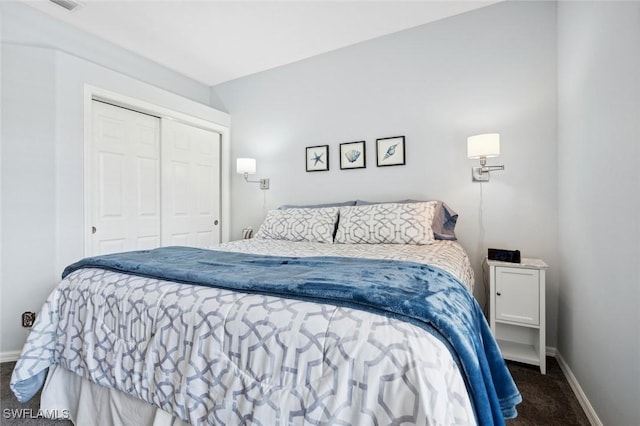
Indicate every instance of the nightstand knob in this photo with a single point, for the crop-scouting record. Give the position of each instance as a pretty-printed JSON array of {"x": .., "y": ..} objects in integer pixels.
[{"x": 499, "y": 294}]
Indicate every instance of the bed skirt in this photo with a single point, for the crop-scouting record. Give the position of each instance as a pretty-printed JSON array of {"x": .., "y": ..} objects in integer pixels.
[{"x": 85, "y": 403}]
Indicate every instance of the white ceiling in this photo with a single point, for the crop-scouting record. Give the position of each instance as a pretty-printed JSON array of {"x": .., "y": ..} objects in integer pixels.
[{"x": 216, "y": 41}]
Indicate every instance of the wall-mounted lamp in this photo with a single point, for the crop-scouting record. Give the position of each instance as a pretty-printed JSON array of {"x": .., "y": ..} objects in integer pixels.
[
  {"x": 246, "y": 167},
  {"x": 483, "y": 146}
]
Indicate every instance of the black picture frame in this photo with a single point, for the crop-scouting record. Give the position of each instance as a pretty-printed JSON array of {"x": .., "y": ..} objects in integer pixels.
[
  {"x": 390, "y": 151},
  {"x": 353, "y": 155},
  {"x": 317, "y": 158}
]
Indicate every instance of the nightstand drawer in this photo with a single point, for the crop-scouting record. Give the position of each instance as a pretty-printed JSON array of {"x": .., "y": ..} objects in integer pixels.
[{"x": 517, "y": 295}]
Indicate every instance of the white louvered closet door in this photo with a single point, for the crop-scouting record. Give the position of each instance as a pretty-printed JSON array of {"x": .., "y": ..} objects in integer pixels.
[
  {"x": 124, "y": 198},
  {"x": 190, "y": 185}
]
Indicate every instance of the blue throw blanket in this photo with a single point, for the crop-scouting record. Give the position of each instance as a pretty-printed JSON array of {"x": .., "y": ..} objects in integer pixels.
[{"x": 420, "y": 294}]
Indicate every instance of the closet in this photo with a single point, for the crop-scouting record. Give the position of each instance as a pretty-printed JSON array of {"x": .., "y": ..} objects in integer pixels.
[{"x": 152, "y": 182}]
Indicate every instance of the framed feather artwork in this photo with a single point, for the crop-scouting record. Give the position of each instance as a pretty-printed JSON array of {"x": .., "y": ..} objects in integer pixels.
[{"x": 390, "y": 151}]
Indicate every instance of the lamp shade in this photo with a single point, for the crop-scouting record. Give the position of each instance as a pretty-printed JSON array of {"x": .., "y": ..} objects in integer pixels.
[
  {"x": 486, "y": 145},
  {"x": 246, "y": 165}
]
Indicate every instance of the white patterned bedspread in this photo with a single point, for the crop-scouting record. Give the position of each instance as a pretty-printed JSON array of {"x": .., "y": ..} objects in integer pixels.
[
  {"x": 214, "y": 357},
  {"x": 446, "y": 255}
]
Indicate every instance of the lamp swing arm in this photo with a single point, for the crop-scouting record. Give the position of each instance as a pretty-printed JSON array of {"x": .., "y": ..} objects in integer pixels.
[
  {"x": 246, "y": 178},
  {"x": 264, "y": 182},
  {"x": 486, "y": 169}
]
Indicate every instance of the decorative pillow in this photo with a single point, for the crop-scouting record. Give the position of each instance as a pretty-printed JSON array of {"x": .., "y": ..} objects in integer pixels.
[
  {"x": 389, "y": 223},
  {"x": 316, "y": 225},
  {"x": 444, "y": 222},
  {"x": 444, "y": 218}
]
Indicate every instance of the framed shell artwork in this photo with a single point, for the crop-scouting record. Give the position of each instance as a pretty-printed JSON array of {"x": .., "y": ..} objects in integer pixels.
[
  {"x": 353, "y": 155},
  {"x": 390, "y": 151}
]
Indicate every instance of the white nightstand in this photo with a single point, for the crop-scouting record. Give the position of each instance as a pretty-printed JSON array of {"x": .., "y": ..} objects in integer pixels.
[{"x": 517, "y": 309}]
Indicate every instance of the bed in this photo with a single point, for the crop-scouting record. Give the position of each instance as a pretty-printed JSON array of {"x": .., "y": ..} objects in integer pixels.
[{"x": 331, "y": 315}]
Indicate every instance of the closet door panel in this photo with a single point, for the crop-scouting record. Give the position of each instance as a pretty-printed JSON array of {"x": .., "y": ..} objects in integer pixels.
[
  {"x": 148, "y": 202},
  {"x": 111, "y": 185},
  {"x": 190, "y": 185},
  {"x": 124, "y": 179},
  {"x": 144, "y": 195}
]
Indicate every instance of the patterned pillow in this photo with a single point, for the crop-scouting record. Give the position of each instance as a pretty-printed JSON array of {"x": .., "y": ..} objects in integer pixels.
[
  {"x": 391, "y": 223},
  {"x": 316, "y": 225},
  {"x": 444, "y": 218}
]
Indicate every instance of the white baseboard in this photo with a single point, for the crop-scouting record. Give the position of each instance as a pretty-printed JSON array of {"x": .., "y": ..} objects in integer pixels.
[
  {"x": 591, "y": 414},
  {"x": 9, "y": 356},
  {"x": 551, "y": 351}
]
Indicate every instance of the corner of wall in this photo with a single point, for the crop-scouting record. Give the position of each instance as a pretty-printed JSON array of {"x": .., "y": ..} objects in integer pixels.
[
  {"x": 215, "y": 101},
  {"x": 589, "y": 411}
]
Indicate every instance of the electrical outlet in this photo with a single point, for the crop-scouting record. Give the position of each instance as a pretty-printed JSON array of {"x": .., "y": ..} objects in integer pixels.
[{"x": 28, "y": 318}]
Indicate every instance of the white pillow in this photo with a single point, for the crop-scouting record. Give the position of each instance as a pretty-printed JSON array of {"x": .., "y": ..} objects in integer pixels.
[
  {"x": 391, "y": 223},
  {"x": 316, "y": 225}
]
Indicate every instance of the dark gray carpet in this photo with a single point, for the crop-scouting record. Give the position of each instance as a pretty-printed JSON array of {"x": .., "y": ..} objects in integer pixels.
[
  {"x": 15, "y": 413},
  {"x": 548, "y": 399}
]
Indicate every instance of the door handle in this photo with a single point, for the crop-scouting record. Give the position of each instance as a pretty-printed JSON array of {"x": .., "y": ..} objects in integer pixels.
[
  {"x": 94, "y": 230},
  {"x": 215, "y": 222},
  {"x": 499, "y": 294}
]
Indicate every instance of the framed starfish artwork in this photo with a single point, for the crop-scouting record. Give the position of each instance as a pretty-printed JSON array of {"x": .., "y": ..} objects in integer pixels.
[
  {"x": 390, "y": 151},
  {"x": 317, "y": 158}
]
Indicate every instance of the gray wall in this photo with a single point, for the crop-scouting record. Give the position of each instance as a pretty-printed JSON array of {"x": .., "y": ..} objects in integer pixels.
[
  {"x": 599, "y": 203},
  {"x": 42, "y": 169},
  {"x": 490, "y": 70},
  {"x": 28, "y": 188},
  {"x": 26, "y": 26}
]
